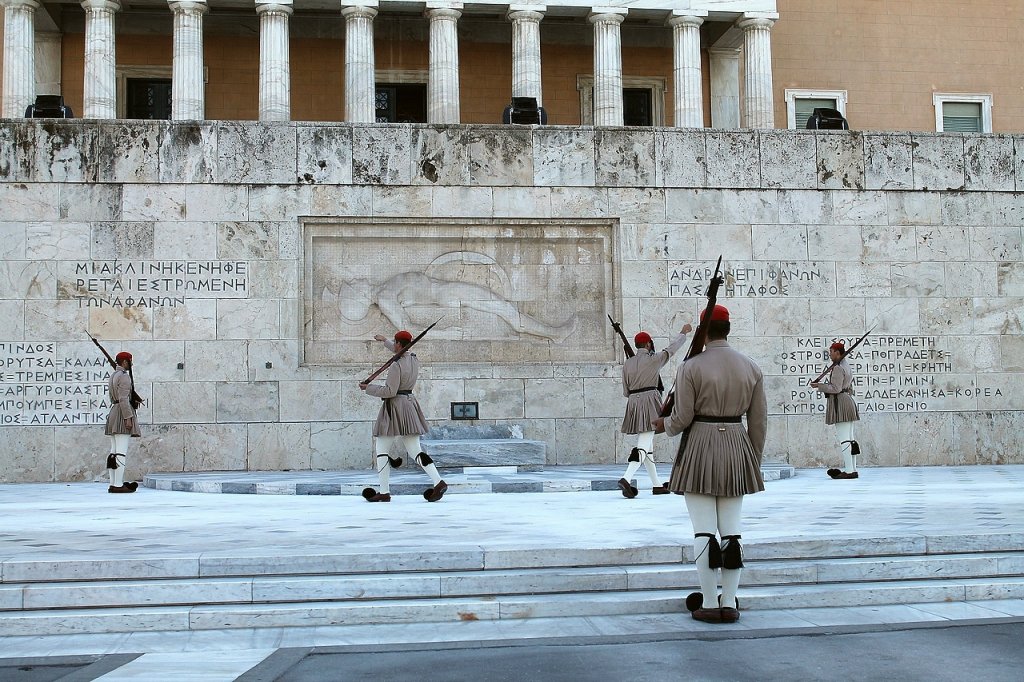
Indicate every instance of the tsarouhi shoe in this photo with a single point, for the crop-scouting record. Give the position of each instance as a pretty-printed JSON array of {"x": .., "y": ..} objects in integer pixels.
[
  {"x": 134, "y": 485},
  {"x": 660, "y": 489},
  {"x": 708, "y": 615},
  {"x": 729, "y": 615},
  {"x": 847, "y": 475},
  {"x": 436, "y": 493},
  {"x": 120, "y": 489},
  {"x": 833, "y": 473},
  {"x": 380, "y": 497},
  {"x": 628, "y": 490}
]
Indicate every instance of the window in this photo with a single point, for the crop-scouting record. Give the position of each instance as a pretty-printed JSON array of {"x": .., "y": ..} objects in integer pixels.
[
  {"x": 962, "y": 113},
  {"x": 636, "y": 107},
  {"x": 148, "y": 98},
  {"x": 401, "y": 103},
  {"x": 800, "y": 104},
  {"x": 643, "y": 100}
]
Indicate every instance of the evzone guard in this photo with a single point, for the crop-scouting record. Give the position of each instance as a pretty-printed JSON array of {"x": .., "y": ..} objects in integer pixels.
[
  {"x": 841, "y": 409},
  {"x": 122, "y": 423},
  {"x": 641, "y": 385},
  {"x": 400, "y": 418}
]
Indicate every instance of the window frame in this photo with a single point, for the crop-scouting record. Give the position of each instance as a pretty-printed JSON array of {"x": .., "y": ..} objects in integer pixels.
[
  {"x": 793, "y": 94},
  {"x": 985, "y": 100},
  {"x": 657, "y": 86}
]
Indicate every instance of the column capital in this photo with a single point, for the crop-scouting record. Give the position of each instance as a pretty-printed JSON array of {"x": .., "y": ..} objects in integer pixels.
[
  {"x": 756, "y": 20},
  {"x": 274, "y": 6},
  {"x": 188, "y": 6},
  {"x": 441, "y": 13},
  {"x": 101, "y": 5},
  {"x": 530, "y": 16},
  {"x": 359, "y": 11},
  {"x": 689, "y": 18},
  {"x": 607, "y": 15},
  {"x": 20, "y": 4}
]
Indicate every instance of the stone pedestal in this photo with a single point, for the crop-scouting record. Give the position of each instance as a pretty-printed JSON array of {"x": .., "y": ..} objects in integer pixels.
[
  {"x": 443, "y": 84},
  {"x": 99, "y": 99},
  {"x": 607, "y": 68},
  {"x": 360, "y": 83},
  {"x": 689, "y": 95},
  {"x": 526, "y": 79},
  {"x": 275, "y": 64},
  {"x": 457, "y": 446},
  {"x": 188, "y": 92},
  {"x": 19, "y": 73},
  {"x": 758, "y": 103}
]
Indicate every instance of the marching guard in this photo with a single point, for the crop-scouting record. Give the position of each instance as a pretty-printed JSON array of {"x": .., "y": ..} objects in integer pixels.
[
  {"x": 841, "y": 410},
  {"x": 122, "y": 423}
]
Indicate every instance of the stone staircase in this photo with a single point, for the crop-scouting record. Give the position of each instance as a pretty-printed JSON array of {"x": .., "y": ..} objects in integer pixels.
[{"x": 214, "y": 592}]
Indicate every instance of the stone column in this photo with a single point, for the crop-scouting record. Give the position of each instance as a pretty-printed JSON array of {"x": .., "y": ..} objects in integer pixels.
[
  {"x": 48, "y": 51},
  {"x": 188, "y": 91},
  {"x": 360, "y": 81},
  {"x": 689, "y": 93},
  {"x": 758, "y": 104},
  {"x": 275, "y": 62},
  {"x": 725, "y": 87},
  {"x": 607, "y": 68},
  {"x": 19, "y": 74},
  {"x": 443, "y": 81},
  {"x": 99, "y": 97},
  {"x": 526, "y": 80}
]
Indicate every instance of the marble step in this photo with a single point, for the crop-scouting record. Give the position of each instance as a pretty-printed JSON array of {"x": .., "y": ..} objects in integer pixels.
[
  {"x": 445, "y": 584},
  {"x": 509, "y": 607}
]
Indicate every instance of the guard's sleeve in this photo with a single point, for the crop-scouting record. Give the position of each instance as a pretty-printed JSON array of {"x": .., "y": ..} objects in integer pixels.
[
  {"x": 390, "y": 387},
  {"x": 123, "y": 394},
  {"x": 757, "y": 416},
  {"x": 686, "y": 394}
]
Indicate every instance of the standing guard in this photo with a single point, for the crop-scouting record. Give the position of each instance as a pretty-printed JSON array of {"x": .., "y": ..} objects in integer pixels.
[
  {"x": 400, "y": 417},
  {"x": 841, "y": 410},
  {"x": 641, "y": 384},
  {"x": 122, "y": 423}
]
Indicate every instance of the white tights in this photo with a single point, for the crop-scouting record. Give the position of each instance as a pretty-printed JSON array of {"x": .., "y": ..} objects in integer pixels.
[
  {"x": 411, "y": 443},
  {"x": 715, "y": 515},
  {"x": 844, "y": 432},
  {"x": 645, "y": 444},
  {"x": 119, "y": 447}
]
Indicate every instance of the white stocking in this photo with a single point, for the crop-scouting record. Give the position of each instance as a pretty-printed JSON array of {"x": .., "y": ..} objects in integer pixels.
[
  {"x": 844, "y": 432},
  {"x": 703, "y": 517},
  {"x": 729, "y": 510},
  {"x": 119, "y": 446},
  {"x": 412, "y": 446},
  {"x": 645, "y": 443},
  {"x": 382, "y": 448}
]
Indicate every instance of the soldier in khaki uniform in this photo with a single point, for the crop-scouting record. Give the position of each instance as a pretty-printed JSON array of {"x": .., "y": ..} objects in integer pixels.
[
  {"x": 122, "y": 424},
  {"x": 640, "y": 385},
  {"x": 841, "y": 410},
  {"x": 721, "y": 461},
  {"x": 400, "y": 418}
]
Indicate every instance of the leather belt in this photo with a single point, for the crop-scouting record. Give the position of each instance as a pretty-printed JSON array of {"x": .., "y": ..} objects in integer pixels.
[
  {"x": 722, "y": 420},
  {"x": 399, "y": 393},
  {"x": 644, "y": 390}
]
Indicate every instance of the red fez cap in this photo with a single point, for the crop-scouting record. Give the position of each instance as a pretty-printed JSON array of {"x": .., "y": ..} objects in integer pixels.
[
  {"x": 642, "y": 339},
  {"x": 838, "y": 345},
  {"x": 718, "y": 314},
  {"x": 403, "y": 336},
  {"x": 123, "y": 355}
]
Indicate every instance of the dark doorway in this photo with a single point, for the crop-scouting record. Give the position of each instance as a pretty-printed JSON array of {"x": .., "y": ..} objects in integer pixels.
[
  {"x": 402, "y": 103},
  {"x": 636, "y": 107},
  {"x": 148, "y": 98}
]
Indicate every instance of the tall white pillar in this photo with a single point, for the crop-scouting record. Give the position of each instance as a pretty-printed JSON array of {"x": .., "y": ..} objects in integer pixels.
[
  {"x": 526, "y": 80},
  {"x": 99, "y": 98},
  {"x": 19, "y": 74},
  {"x": 725, "y": 87},
  {"x": 48, "y": 51},
  {"x": 758, "y": 104},
  {"x": 188, "y": 91},
  {"x": 607, "y": 67},
  {"x": 360, "y": 63},
  {"x": 275, "y": 60},
  {"x": 688, "y": 90},
  {"x": 443, "y": 80}
]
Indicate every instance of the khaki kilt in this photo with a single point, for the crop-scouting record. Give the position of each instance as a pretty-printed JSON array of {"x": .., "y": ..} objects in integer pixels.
[
  {"x": 840, "y": 407},
  {"x": 718, "y": 460},
  {"x": 400, "y": 416}
]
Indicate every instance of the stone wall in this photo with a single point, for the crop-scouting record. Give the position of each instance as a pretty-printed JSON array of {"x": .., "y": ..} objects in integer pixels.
[{"x": 194, "y": 246}]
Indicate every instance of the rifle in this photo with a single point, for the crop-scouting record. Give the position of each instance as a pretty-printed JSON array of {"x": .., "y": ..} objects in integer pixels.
[
  {"x": 400, "y": 353},
  {"x": 135, "y": 400},
  {"x": 626, "y": 346},
  {"x": 845, "y": 353},
  {"x": 697, "y": 343}
]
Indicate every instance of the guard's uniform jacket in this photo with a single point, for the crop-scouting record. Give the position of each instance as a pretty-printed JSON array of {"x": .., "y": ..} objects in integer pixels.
[
  {"x": 640, "y": 386},
  {"x": 119, "y": 392},
  {"x": 839, "y": 403},
  {"x": 400, "y": 413}
]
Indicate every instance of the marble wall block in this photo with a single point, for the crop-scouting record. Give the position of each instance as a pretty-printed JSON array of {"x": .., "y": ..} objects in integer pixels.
[
  {"x": 694, "y": 205},
  {"x": 867, "y": 279},
  {"x": 324, "y": 154},
  {"x": 809, "y": 442},
  {"x": 971, "y": 279},
  {"x": 778, "y": 242},
  {"x": 313, "y": 401},
  {"x": 53, "y": 320},
  {"x": 341, "y": 445},
  {"x": 644, "y": 279},
  {"x": 435, "y": 397},
  {"x": 153, "y": 202},
  {"x": 637, "y": 205},
  {"x": 988, "y": 163},
  {"x": 121, "y": 323},
  {"x": 80, "y": 453},
  {"x": 940, "y": 316},
  {"x": 188, "y": 152},
  {"x": 283, "y": 356},
  {"x": 255, "y": 401},
  {"x": 215, "y": 447},
  {"x": 64, "y": 153},
  {"x": 878, "y": 435},
  {"x": 22, "y": 279},
  {"x": 273, "y": 447},
  {"x": 28, "y": 453},
  {"x": 30, "y": 202},
  {"x": 1012, "y": 398},
  {"x": 564, "y": 157},
  {"x": 79, "y": 202},
  {"x": 733, "y": 159},
  {"x": 1007, "y": 209},
  {"x": 625, "y": 158},
  {"x": 217, "y": 202},
  {"x": 216, "y": 361},
  {"x": 13, "y": 315},
  {"x": 998, "y": 316},
  {"x": 888, "y": 243},
  {"x": 967, "y": 208},
  {"x": 998, "y": 436},
  {"x": 402, "y": 201},
  {"x": 888, "y": 161},
  {"x": 742, "y": 206},
  {"x": 963, "y": 449},
  {"x": 805, "y": 206},
  {"x": 8, "y": 156},
  {"x": 548, "y": 397},
  {"x": 248, "y": 240},
  {"x": 1010, "y": 279},
  {"x": 788, "y": 158},
  {"x": 128, "y": 152},
  {"x": 731, "y": 242},
  {"x": 1011, "y": 353},
  {"x": 195, "y": 320},
  {"x": 185, "y": 241},
  {"x": 13, "y": 240},
  {"x": 590, "y": 441},
  {"x": 602, "y": 397},
  {"x": 519, "y": 202},
  {"x": 782, "y": 317},
  {"x": 121, "y": 241},
  {"x": 572, "y": 202},
  {"x": 161, "y": 449},
  {"x": 681, "y": 158},
  {"x": 440, "y": 156},
  {"x": 262, "y": 153},
  {"x": 184, "y": 402},
  {"x": 918, "y": 279},
  {"x": 841, "y": 316},
  {"x": 979, "y": 353},
  {"x": 1018, "y": 162},
  {"x": 332, "y": 200},
  {"x": 461, "y": 202},
  {"x": 274, "y": 279},
  {"x": 382, "y": 155},
  {"x": 938, "y": 161},
  {"x": 914, "y": 208},
  {"x": 657, "y": 241},
  {"x": 498, "y": 398},
  {"x": 356, "y": 405},
  {"x": 893, "y": 315},
  {"x": 860, "y": 208},
  {"x": 500, "y": 156},
  {"x": 248, "y": 319},
  {"x": 840, "y": 160},
  {"x": 56, "y": 240},
  {"x": 279, "y": 202}
]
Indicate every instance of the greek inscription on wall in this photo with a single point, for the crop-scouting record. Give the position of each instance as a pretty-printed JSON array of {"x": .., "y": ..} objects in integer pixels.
[
  {"x": 149, "y": 284},
  {"x": 40, "y": 387},
  {"x": 753, "y": 279}
]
